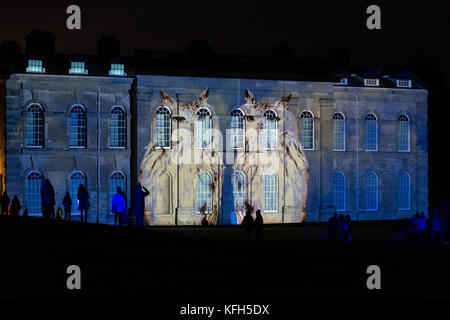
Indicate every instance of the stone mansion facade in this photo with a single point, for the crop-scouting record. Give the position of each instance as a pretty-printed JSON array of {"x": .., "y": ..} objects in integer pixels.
[{"x": 357, "y": 147}]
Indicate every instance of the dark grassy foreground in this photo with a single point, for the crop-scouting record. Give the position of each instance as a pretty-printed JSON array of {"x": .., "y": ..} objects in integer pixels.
[{"x": 213, "y": 264}]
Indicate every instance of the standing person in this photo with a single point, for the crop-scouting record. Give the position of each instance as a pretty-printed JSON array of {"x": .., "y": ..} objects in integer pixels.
[
  {"x": 247, "y": 223},
  {"x": 436, "y": 227},
  {"x": 422, "y": 226},
  {"x": 83, "y": 202},
  {"x": 48, "y": 199},
  {"x": 119, "y": 207},
  {"x": 67, "y": 204},
  {"x": 4, "y": 201},
  {"x": 348, "y": 220},
  {"x": 342, "y": 227},
  {"x": 259, "y": 223},
  {"x": 332, "y": 227},
  {"x": 139, "y": 194},
  {"x": 15, "y": 206}
]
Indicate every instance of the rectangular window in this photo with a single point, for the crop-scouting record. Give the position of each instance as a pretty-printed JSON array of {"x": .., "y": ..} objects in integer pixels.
[
  {"x": 35, "y": 66},
  {"x": 403, "y": 83},
  {"x": 77, "y": 67},
  {"x": 371, "y": 82},
  {"x": 117, "y": 69},
  {"x": 270, "y": 193}
]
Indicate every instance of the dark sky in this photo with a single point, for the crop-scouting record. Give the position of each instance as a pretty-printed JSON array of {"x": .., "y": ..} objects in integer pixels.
[{"x": 251, "y": 27}]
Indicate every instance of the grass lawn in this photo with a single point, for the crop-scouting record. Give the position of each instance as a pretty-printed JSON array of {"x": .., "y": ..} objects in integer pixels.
[{"x": 216, "y": 264}]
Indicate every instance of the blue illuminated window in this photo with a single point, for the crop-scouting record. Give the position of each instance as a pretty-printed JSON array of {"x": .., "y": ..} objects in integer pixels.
[
  {"x": 203, "y": 129},
  {"x": 117, "y": 69},
  {"x": 403, "y": 133},
  {"x": 118, "y": 127},
  {"x": 77, "y": 67},
  {"x": 339, "y": 191},
  {"x": 77, "y": 127},
  {"x": 338, "y": 132},
  {"x": 371, "y": 191},
  {"x": 33, "y": 185},
  {"x": 35, "y": 66},
  {"x": 270, "y": 182},
  {"x": 35, "y": 126},
  {"x": 238, "y": 179},
  {"x": 307, "y": 131},
  {"x": 371, "y": 132},
  {"x": 203, "y": 192},
  {"x": 237, "y": 129},
  {"x": 76, "y": 178},
  {"x": 404, "y": 191},
  {"x": 163, "y": 127},
  {"x": 270, "y": 130}
]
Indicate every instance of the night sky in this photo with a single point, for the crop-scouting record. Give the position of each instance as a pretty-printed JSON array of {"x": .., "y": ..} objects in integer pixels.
[{"x": 310, "y": 28}]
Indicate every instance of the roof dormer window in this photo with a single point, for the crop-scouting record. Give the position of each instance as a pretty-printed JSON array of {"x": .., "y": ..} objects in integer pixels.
[
  {"x": 78, "y": 67},
  {"x": 35, "y": 66},
  {"x": 403, "y": 83},
  {"x": 371, "y": 82},
  {"x": 117, "y": 69}
]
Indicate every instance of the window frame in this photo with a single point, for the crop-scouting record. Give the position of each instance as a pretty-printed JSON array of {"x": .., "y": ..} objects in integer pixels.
[
  {"x": 209, "y": 194},
  {"x": 271, "y": 174},
  {"x": 37, "y": 194},
  {"x": 406, "y": 174},
  {"x": 398, "y": 132},
  {"x": 170, "y": 127},
  {"x": 42, "y": 113},
  {"x": 344, "y": 130},
  {"x": 312, "y": 130},
  {"x": 232, "y": 130},
  {"x": 342, "y": 175},
  {"x": 372, "y": 173},
  {"x": 125, "y": 128},
  {"x": 78, "y": 146},
  {"x": 366, "y": 122},
  {"x": 209, "y": 147}
]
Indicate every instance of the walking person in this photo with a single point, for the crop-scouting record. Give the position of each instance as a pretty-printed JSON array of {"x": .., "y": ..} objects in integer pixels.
[
  {"x": 48, "y": 199},
  {"x": 139, "y": 194},
  {"x": 348, "y": 220},
  {"x": 422, "y": 227},
  {"x": 342, "y": 228},
  {"x": 436, "y": 227},
  {"x": 119, "y": 207},
  {"x": 259, "y": 223},
  {"x": 83, "y": 202},
  {"x": 67, "y": 204},
  {"x": 247, "y": 223},
  {"x": 15, "y": 206},
  {"x": 4, "y": 201}
]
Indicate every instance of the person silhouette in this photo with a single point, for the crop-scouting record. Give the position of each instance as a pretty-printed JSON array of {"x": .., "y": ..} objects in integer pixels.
[
  {"x": 247, "y": 223},
  {"x": 332, "y": 226},
  {"x": 83, "y": 202},
  {"x": 67, "y": 204},
  {"x": 4, "y": 201},
  {"x": 119, "y": 207},
  {"x": 259, "y": 223},
  {"x": 48, "y": 199},
  {"x": 15, "y": 206},
  {"x": 139, "y": 194}
]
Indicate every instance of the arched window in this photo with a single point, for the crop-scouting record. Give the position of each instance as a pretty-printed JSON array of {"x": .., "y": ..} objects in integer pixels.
[
  {"x": 163, "y": 127},
  {"x": 404, "y": 191},
  {"x": 77, "y": 127},
  {"x": 76, "y": 178},
  {"x": 204, "y": 181},
  {"x": 307, "y": 131},
  {"x": 338, "y": 132},
  {"x": 237, "y": 129},
  {"x": 403, "y": 133},
  {"x": 203, "y": 129},
  {"x": 270, "y": 130},
  {"x": 33, "y": 185},
  {"x": 35, "y": 126},
  {"x": 117, "y": 179},
  {"x": 118, "y": 127},
  {"x": 339, "y": 191},
  {"x": 371, "y": 191},
  {"x": 371, "y": 132},
  {"x": 238, "y": 190},
  {"x": 270, "y": 182}
]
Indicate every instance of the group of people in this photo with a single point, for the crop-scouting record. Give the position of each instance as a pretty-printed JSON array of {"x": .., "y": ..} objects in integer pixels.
[
  {"x": 339, "y": 225},
  {"x": 9, "y": 207},
  {"x": 118, "y": 204},
  {"x": 249, "y": 224},
  {"x": 421, "y": 229}
]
